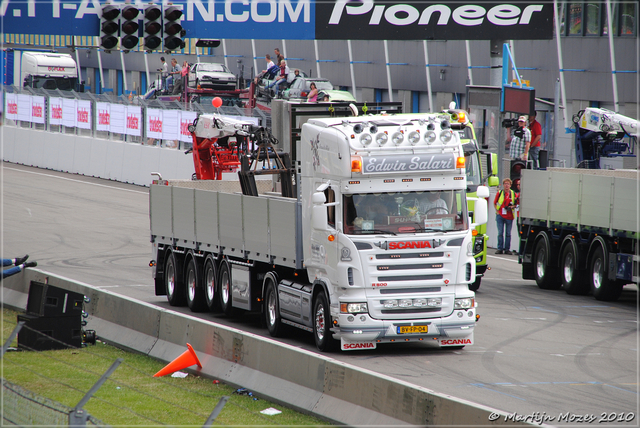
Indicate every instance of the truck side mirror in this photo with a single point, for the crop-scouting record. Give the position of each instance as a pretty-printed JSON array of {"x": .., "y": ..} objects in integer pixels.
[
  {"x": 480, "y": 212},
  {"x": 483, "y": 191},
  {"x": 319, "y": 211}
]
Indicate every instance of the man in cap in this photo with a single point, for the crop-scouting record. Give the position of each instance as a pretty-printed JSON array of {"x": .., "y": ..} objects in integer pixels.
[{"x": 520, "y": 140}]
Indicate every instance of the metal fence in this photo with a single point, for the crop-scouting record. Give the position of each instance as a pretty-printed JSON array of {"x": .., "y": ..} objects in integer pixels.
[
  {"x": 264, "y": 118},
  {"x": 21, "y": 407}
]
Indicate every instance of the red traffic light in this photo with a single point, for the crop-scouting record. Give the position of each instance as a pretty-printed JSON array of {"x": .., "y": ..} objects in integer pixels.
[
  {"x": 109, "y": 27},
  {"x": 152, "y": 13},
  {"x": 110, "y": 12},
  {"x": 130, "y": 12},
  {"x": 130, "y": 27},
  {"x": 172, "y": 13}
]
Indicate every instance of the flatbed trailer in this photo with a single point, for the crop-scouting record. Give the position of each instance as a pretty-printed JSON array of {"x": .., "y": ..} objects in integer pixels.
[{"x": 579, "y": 230}]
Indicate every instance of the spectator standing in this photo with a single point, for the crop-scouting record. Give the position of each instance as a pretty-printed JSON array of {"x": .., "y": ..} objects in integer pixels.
[
  {"x": 504, "y": 203},
  {"x": 181, "y": 83},
  {"x": 279, "y": 56},
  {"x": 312, "y": 97},
  {"x": 174, "y": 73},
  {"x": 164, "y": 72},
  {"x": 520, "y": 140},
  {"x": 536, "y": 136},
  {"x": 19, "y": 264}
]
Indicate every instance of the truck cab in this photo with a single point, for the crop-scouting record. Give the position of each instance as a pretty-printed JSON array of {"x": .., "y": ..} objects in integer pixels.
[
  {"x": 49, "y": 71},
  {"x": 387, "y": 230}
]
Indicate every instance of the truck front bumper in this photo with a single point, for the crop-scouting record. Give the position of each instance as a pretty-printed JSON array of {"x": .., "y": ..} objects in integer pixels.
[{"x": 453, "y": 330}]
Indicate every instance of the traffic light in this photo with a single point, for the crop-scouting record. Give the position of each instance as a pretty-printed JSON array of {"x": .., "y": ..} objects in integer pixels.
[
  {"x": 152, "y": 26},
  {"x": 517, "y": 166},
  {"x": 129, "y": 26},
  {"x": 173, "y": 28},
  {"x": 109, "y": 26}
]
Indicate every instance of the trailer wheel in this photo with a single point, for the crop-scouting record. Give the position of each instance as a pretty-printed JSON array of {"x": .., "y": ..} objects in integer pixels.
[
  {"x": 272, "y": 308},
  {"x": 476, "y": 284},
  {"x": 210, "y": 291},
  {"x": 322, "y": 324},
  {"x": 602, "y": 287},
  {"x": 173, "y": 281},
  {"x": 195, "y": 289},
  {"x": 225, "y": 289},
  {"x": 573, "y": 279},
  {"x": 546, "y": 276}
]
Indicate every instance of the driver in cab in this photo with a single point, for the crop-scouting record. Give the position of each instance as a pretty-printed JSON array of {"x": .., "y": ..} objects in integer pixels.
[{"x": 433, "y": 204}]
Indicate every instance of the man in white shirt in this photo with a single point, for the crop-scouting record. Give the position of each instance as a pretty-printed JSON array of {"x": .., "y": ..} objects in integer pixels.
[{"x": 433, "y": 204}]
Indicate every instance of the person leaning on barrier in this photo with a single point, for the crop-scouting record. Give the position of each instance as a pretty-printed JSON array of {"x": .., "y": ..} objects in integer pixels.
[{"x": 19, "y": 264}]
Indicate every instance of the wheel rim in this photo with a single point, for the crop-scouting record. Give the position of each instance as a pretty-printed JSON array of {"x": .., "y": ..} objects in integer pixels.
[
  {"x": 271, "y": 307},
  {"x": 224, "y": 287},
  {"x": 320, "y": 321},
  {"x": 209, "y": 284},
  {"x": 540, "y": 265},
  {"x": 191, "y": 284},
  {"x": 568, "y": 268},
  {"x": 597, "y": 273},
  {"x": 171, "y": 278}
]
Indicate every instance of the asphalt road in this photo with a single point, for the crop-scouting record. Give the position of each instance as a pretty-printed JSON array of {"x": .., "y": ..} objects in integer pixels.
[{"x": 537, "y": 353}]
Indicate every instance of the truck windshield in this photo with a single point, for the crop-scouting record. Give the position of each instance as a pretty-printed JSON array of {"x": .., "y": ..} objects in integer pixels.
[
  {"x": 472, "y": 167},
  {"x": 405, "y": 212},
  {"x": 64, "y": 84}
]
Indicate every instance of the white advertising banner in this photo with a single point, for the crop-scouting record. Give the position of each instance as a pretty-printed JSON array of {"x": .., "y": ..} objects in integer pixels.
[
  {"x": 83, "y": 109},
  {"x": 186, "y": 119},
  {"x": 69, "y": 112},
  {"x": 134, "y": 121},
  {"x": 170, "y": 124},
  {"x": 103, "y": 116},
  {"x": 154, "y": 123},
  {"x": 11, "y": 106},
  {"x": 24, "y": 107},
  {"x": 117, "y": 118},
  {"x": 55, "y": 111},
  {"x": 37, "y": 109}
]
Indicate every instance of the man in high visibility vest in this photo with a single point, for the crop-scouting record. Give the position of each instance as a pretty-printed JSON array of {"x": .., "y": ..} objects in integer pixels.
[{"x": 504, "y": 203}]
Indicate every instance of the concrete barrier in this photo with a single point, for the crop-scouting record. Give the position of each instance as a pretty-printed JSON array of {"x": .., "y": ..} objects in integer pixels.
[{"x": 304, "y": 380}]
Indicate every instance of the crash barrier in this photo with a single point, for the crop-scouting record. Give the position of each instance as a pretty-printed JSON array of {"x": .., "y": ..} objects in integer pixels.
[
  {"x": 304, "y": 380},
  {"x": 134, "y": 120}
]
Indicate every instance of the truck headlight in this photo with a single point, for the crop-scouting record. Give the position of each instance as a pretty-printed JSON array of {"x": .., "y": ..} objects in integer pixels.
[
  {"x": 353, "y": 308},
  {"x": 466, "y": 303},
  {"x": 478, "y": 244}
]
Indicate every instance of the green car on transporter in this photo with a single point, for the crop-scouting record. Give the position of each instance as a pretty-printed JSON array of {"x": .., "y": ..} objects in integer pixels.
[{"x": 477, "y": 162}]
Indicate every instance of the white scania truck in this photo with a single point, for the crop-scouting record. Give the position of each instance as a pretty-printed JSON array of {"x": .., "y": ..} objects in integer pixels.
[{"x": 369, "y": 241}]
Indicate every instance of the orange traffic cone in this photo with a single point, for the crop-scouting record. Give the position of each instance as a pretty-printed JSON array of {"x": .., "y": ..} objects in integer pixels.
[{"x": 187, "y": 359}]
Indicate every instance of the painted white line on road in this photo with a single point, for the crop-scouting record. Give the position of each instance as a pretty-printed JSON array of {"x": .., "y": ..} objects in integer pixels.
[
  {"x": 503, "y": 258},
  {"x": 76, "y": 181},
  {"x": 118, "y": 286}
]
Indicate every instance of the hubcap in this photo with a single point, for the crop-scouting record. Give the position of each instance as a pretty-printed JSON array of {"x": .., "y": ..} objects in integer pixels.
[
  {"x": 225, "y": 287},
  {"x": 320, "y": 322},
  {"x": 171, "y": 280},
  {"x": 568, "y": 268},
  {"x": 597, "y": 273},
  {"x": 191, "y": 285},
  {"x": 540, "y": 263},
  {"x": 210, "y": 285},
  {"x": 271, "y": 307}
]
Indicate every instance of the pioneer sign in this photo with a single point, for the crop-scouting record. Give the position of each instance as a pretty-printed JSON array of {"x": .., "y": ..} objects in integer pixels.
[{"x": 304, "y": 19}]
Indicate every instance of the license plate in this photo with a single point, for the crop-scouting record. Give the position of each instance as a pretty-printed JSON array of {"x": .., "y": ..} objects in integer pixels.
[{"x": 404, "y": 329}]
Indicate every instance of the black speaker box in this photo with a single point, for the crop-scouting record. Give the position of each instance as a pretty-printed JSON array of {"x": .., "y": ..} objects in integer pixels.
[
  {"x": 50, "y": 301},
  {"x": 47, "y": 333}
]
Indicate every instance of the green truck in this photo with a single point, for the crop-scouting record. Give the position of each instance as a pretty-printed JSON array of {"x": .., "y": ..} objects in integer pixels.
[{"x": 482, "y": 169}]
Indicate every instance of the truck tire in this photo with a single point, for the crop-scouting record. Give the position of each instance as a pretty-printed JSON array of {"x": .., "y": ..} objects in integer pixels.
[
  {"x": 272, "y": 308},
  {"x": 224, "y": 289},
  {"x": 322, "y": 324},
  {"x": 194, "y": 287},
  {"x": 573, "y": 279},
  {"x": 173, "y": 281},
  {"x": 546, "y": 276},
  {"x": 210, "y": 284},
  {"x": 475, "y": 284},
  {"x": 601, "y": 286}
]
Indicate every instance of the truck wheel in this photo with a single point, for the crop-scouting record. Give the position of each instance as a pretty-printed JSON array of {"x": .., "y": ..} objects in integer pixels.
[
  {"x": 476, "y": 284},
  {"x": 546, "y": 276},
  {"x": 322, "y": 324},
  {"x": 272, "y": 308},
  {"x": 195, "y": 290},
  {"x": 225, "y": 289},
  {"x": 602, "y": 287},
  {"x": 210, "y": 291},
  {"x": 573, "y": 280},
  {"x": 173, "y": 281}
]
